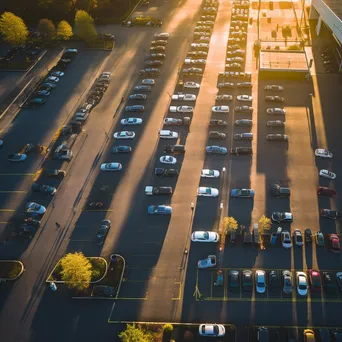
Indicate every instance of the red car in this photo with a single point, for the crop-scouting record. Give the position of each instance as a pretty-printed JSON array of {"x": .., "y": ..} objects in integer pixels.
[
  {"x": 315, "y": 280},
  {"x": 334, "y": 243},
  {"x": 322, "y": 190}
]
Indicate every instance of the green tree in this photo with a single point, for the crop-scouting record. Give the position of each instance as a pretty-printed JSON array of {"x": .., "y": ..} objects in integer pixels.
[
  {"x": 264, "y": 224},
  {"x": 64, "y": 30},
  {"x": 86, "y": 5},
  {"x": 84, "y": 26},
  {"x": 47, "y": 29},
  {"x": 135, "y": 333},
  {"x": 229, "y": 224},
  {"x": 76, "y": 271},
  {"x": 13, "y": 29}
]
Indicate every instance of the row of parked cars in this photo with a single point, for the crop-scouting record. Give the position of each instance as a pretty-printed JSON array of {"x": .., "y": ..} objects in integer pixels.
[{"x": 50, "y": 82}]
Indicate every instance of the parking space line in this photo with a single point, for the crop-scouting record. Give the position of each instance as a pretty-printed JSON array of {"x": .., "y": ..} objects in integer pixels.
[
  {"x": 37, "y": 174},
  {"x": 17, "y": 174},
  {"x": 296, "y": 327},
  {"x": 180, "y": 291},
  {"x": 13, "y": 192},
  {"x": 144, "y": 255},
  {"x": 275, "y": 300},
  {"x": 4, "y": 222},
  {"x": 7, "y": 210},
  {"x": 73, "y": 240},
  {"x": 132, "y": 298}
]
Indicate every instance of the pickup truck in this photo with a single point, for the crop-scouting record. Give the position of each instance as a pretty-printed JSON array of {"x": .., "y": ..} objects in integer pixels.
[{"x": 158, "y": 190}]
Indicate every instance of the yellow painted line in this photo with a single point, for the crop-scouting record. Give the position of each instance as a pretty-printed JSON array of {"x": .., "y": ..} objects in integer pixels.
[
  {"x": 180, "y": 291},
  {"x": 17, "y": 174},
  {"x": 297, "y": 326},
  {"x": 37, "y": 174},
  {"x": 136, "y": 281},
  {"x": 127, "y": 298},
  {"x": 277, "y": 300},
  {"x": 144, "y": 255},
  {"x": 4, "y": 222},
  {"x": 13, "y": 192},
  {"x": 7, "y": 210},
  {"x": 57, "y": 135}
]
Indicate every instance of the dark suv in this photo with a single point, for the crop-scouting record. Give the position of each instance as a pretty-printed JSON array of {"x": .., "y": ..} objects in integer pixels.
[
  {"x": 280, "y": 191},
  {"x": 241, "y": 150}
]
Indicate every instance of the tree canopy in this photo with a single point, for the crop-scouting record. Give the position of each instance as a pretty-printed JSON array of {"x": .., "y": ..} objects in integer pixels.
[
  {"x": 135, "y": 333},
  {"x": 264, "y": 224},
  {"x": 47, "y": 29},
  {"x": 13, "y": 29},
  {"x": 64, "y": 30},
  {"x": 84, "y": 26},
  {"x": 76, "y": 271},
  {"x": 229, "y": 224}
]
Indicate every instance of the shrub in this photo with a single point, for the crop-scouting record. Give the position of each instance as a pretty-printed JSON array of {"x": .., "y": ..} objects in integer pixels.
[{"x": 168, "y": 327}]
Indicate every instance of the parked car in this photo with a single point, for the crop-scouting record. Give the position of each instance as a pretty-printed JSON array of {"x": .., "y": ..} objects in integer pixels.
[
  {"x": 282, "y": 217},
  {"x": 276, "y": 111},
  {"x": 207, "y": 191},
  {"x": 298, "y": 238},
  {"x": 287, "y": 282},
  {"x": 111, "y": 167},
  {"x": 124, "y": 135},
  {"x": 159, "y": 210},
  {"x": 325, "y": 191},
  {"x": 242, "y": 193},
  {"x": 131, "y": 121},
  {"x": 274, "y": 99},
  {"x": 224, "y": 98},
  {"x": 34, "y": 208},
  {"x": 260, "y": 281},
  {"x": 327, "y": 174},
  {"x": 212, "y": 330},
  {"x": 328, "y": 283},
  {"x": 217, "y": 135},
  {"x": 166, "y": 172},
  {"x": 137, "y": 97},
  {"x": 275, "y": 123},
  {"x": 121, "y": 149},
  {"x": 243, "y": 109},
  {"x": 243, "y": 122},
  {"x": 103, "y": 232},
  {"x": 273, "y": 280},
  {"x": 208, "y": 173},
  {"x": 286, "y": 239},
  {"x": 330, "y": 214},
  {"x": 208, "y": 262},
  {"x": 319, "y": 239},
  {"x": 323, "y": 153},
  {"x": 243, "y": 136},
  {"x": 307, "y": 235},
  {"x": 205, "y": 236},
  {"x": 217, "y": 123},
  {"x": 16, "y": 157},
  {"x": 273, "y": 88},
  {"x": 302, "y": 283},
  {"x": 220, "y": 109},
  {"x": 233, "y": 280},
  {"x": 216, "y": 150},
  {"x": 334, "y": 244},
  {"x": 247, "y": 280},
  {"x": 241, "y": 151},
  {"x": 45, "y": 189}
]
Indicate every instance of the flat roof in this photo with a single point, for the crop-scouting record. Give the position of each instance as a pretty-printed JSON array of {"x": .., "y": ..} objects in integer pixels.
[
  {"x": 335, "y": 6},
  {"x": 283, "y": 61}
]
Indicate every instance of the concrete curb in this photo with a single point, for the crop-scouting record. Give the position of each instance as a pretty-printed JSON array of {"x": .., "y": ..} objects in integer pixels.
[
  {"x": 63, "y": 282},
  {"x": 20, "y": 273}
]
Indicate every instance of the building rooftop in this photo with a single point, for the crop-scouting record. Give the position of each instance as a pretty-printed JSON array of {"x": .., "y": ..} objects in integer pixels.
[{"x": 335, "y": 6}]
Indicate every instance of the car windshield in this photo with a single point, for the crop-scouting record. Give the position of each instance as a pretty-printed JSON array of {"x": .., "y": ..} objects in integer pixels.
[
  {"x": 216, "y": 330},
  {"x": 302, "y": 287},
  {"x": 210, "y": 172},
  {"x": 208, "y": 191},
  {"x": 244, "y": 192},
  {"x": 299, "y": 238},
  {"x": 204, "y": 236}
]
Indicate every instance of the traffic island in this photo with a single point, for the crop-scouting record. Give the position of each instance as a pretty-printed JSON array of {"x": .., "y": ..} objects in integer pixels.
[
  {"x": 98, "y": 272},
  {"x": 180, "y": 332},
  {"x": 100, "y": 44},
  {"x": 11, "y": 269}
]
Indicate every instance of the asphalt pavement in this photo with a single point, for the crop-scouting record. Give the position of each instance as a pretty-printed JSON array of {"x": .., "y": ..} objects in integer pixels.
[{"x": 161, "y": 280}]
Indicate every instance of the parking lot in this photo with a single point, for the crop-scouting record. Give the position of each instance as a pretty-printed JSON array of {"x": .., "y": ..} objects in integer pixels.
[{"x": 162, "y": 282}]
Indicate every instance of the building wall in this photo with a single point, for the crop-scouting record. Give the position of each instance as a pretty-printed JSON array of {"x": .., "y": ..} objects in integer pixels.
[{"x": 329, "y": 17}]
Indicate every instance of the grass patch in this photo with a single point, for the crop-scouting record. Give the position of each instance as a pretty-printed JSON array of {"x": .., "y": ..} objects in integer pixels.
[
  {"x": 113, "y": 276},
  {"x": 10, "y": 269},
  {"x": 98, "y": 270}
]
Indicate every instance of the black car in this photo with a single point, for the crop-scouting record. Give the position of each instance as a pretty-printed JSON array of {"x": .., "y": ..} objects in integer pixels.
[
  {"x": 103, "y": 291},
  {"x": 149, "y": 72},
  {"x": 247, "y": 280},
  {"x": 45, "y": 189},
  {"x": 307, "y": 235},
  {"x": 121, "y": 149},
  {"x": 274, "y": 280},
  {"x": 279, "y": 191},
  {"x": 103, "y": 232},
  {"x": 95, "y": 205},
  {"x": 154, "y": 62},
  {"x": 274, "y": 99},
  {"x": 243, "y": 109},
  {"x": 234, "y": 280},
  {"x": 217, "y": 135},
  {"x": 166, "y": 172},
  {"x": 241, "y": 150},
  {"x": 30, "y": 221},
  {"x": 55, "y": 173},
  {"x": 217, "y": 123},
  {"x": 158, "y": 56},
  {"x": 330, "y": 214},
  {"x": 328, "y": 282},
  {"x": 135, "y": 108},
  {"x": 27, "y": 231}
]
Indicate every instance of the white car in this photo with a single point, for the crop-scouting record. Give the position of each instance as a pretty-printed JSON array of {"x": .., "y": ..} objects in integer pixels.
[
  {"x": 167, "y": 134},
  {"x": 168, "y": 160},
  {"x": 148, "y": 81},
  {"x": 111, "y": 167},
  {"x": 207, "y": 173},
  {"x": 203, "y": 236},
  {"x": 52, "y": 79},
  {"x": 131, "y": 121},
  {"x": 183, "y": 97},
  {"x": 191, "y": 85},
  {"x": 35, "y": 208},
  {"x": 220, "y": 109},
  {"x": 323, "y": 153},
  {"x": 124, "y": 135},
  {"x": 245, "y": 98},
  {"x": 212, "y": 330},
  {"x": 260, "y": 281},
  {"x": 181, "y": 109},
  {"x": 163, "y": 35},
  {"x": 207, "y": 191},
  {"x": 195, "y": 61},
  {"x": 286, "y": 239},
  {"x": 275, "y": 111},
  {"x": 273, "y": 88},
  {"x": 302, "y": 283},
  {"x": 327, "y": 174}
]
